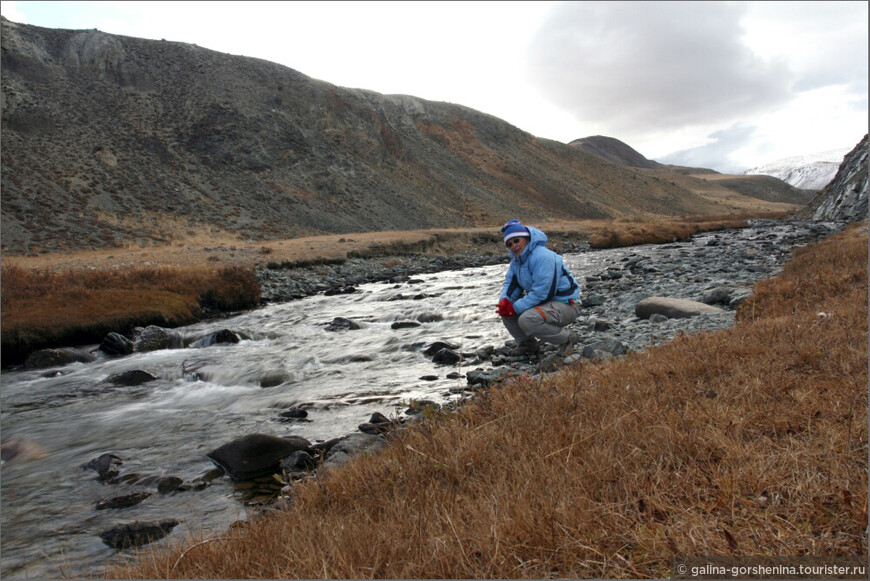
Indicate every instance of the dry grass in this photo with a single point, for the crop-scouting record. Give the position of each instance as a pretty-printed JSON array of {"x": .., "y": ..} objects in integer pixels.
[
  {"x": 49, "y": 308},
  {"x": 751, "y": 441},
  {"x": 629, "y": 233}
]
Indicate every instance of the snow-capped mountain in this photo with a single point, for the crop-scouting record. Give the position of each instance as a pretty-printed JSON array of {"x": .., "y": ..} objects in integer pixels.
[{"x": 807, "y": 172}]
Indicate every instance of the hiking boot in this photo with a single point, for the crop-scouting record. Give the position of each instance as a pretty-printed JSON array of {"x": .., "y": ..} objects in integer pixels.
[{"x": 527, "y": 347}]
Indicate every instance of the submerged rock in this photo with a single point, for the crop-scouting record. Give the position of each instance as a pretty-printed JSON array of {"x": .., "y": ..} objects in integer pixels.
[{"x": 136, "y": 534}]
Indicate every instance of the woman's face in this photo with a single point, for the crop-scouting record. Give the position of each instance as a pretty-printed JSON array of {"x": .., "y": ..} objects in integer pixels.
[{"x": 517, "y": 245}]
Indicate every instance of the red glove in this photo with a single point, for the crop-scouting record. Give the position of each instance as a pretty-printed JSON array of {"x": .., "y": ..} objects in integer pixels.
[{"x": 505, "y": 308}]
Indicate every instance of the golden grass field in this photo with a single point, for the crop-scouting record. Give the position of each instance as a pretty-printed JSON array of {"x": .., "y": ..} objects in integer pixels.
[{"x": 749, "y": 441}]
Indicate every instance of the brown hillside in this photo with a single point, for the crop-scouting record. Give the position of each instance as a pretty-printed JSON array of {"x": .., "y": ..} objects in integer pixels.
[{"x": 110, "y": 141}]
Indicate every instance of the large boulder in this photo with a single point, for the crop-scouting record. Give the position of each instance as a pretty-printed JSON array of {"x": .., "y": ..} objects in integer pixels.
[
  {"x": 673, "y": 308},
  {"x": 255, "y": 455}
]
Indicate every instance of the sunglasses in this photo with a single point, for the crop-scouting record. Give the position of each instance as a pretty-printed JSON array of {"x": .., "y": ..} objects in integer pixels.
[{"x": 511, "y": 242}]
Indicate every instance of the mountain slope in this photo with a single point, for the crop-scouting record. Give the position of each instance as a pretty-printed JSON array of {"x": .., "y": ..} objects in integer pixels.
[
  {"x": 110, "y": 140},
  {"x": 761, "y": 187},
  {"x": 614, "y": 150}
]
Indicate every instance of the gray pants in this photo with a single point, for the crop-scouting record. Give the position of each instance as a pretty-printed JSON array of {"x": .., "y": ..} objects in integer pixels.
[{"x": 546, "y": 322}]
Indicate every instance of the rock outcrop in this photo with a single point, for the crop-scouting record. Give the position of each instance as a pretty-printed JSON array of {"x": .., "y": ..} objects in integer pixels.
[{"x": 845, "y": 198}]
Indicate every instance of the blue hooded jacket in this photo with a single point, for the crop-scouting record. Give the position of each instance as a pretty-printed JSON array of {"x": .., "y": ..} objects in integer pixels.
[{"x": 539, "y": 274}]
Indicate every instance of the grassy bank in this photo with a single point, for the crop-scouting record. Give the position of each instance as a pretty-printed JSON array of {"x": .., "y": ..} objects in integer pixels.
[
  {"x": 72, "y": 307},
  {"x": 751, "y": 441}
]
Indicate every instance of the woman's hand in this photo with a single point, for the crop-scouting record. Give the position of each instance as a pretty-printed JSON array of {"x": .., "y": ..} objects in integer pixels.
[{"x": 505, "y": 308}]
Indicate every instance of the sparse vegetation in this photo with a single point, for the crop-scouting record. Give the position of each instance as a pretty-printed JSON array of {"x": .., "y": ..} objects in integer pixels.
[{"x": 751, "y": 441}]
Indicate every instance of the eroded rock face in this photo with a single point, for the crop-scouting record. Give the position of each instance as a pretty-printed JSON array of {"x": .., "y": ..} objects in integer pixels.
[{"x": 845, "y": 198}]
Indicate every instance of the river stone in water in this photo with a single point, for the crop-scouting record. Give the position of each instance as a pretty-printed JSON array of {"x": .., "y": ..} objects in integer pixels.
[
  {"x": 137, "y": 533},
  {"x": 107, "y": 466},
  {"x": 673, "y": 308},
  {"x": 255, "y": 455},
  {"x": 153, "y": 338},
  {"x": 130, "y": 378},
  {"x": 56, "y": 357},
  {"x": 222, "y": 336},
  {"x": 124, "y": 501},
  {"x": 115, "y": 345}
]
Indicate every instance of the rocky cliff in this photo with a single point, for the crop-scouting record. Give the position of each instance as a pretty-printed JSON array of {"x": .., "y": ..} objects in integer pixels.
[
  {"x": 110, "y": 140},
  {"x": 845, "y": 197}
]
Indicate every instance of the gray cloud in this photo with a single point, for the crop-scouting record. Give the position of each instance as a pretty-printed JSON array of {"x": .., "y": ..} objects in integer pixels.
[
  {"x": 715, "y": 155},
  {"x": 643, "y": 67}
]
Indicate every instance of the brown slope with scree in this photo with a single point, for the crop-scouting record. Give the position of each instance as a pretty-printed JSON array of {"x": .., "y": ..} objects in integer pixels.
[{"x": 110, "y": 140}]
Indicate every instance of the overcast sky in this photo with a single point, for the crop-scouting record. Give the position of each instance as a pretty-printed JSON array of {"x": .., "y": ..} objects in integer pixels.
[{"x": 723, "y": 85}]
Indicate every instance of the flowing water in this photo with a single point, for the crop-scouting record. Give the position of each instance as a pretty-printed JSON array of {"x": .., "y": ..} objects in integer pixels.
[{"x": 50, "y": 525}]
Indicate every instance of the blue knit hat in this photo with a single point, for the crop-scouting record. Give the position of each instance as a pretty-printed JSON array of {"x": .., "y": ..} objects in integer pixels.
[{"x": 514, "y": 229}]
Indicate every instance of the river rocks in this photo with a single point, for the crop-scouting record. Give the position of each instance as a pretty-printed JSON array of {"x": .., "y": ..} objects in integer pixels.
[
  {"x": 123, "y": 501},
  {"x": 255, "y": 455},
  {"x": 214, "y": 338},
  {"x": 136, "y": 534},
  {"x": 57, "y": 357},
  {"x": 379, "y": 424},
  {"x": 152, "y": 338},
  {"x": 416, "y": 407},
  {"x": 350, "y": 446},
  {"x": 487, "y": 378},
  {"x": 294, "y": 413},
  {"x": 298, "y": 463},
  {"x": 130, "y": 378},
  {"x": 20, "y": 450},
  {"x": 116, "y": 345},
  {"x": 342, "y": 324},
  {"x": 610, "y": 345},
  {"x": 167, "y": 484},
  {"x": 672, "y": 308},
  {"x": 446, "y": 357},
  {"x": 107, "y": 466},
  {"x": 438, "y": 346}
]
